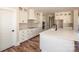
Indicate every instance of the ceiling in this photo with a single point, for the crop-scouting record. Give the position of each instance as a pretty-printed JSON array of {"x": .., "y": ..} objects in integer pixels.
[{"x": 54, "y": 9}]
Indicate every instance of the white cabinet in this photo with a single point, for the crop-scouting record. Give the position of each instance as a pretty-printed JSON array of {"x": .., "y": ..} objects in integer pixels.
[
  {"x": 23, "y": 35},
  {"x": 23, "y": 15},
  {"x": 37, "y": 14},
  {"x": 65, "y": 16},
  {"x": 31, "y": 14}
]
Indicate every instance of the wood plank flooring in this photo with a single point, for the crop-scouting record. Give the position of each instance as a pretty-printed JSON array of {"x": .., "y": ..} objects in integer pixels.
[{"x": 31, "y": 45}]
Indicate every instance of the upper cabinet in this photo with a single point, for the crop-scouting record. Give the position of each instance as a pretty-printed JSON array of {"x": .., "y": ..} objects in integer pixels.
[
  {"x": 65, "y": 16},
  {"x": 23, "y": 15},
  {"x": 37, "y": 15},
  {"x": 28, "y": 15},
  {"x": 31, "y": 14}
]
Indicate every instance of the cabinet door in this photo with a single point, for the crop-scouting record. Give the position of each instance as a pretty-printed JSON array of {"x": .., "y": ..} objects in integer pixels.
[
  {"x": 21, "y": 18},
  {"x": 37, "y": 16},
  {"x": 31, "y": 14},
  {"x": 23, "y": 15},
  {"x": 20, "y": 36},
  {"x": 23, "y": 35}
]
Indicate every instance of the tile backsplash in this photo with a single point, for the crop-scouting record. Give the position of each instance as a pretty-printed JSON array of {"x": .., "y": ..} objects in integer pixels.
[
  {"x": 28, "y": 25},
  {"x": 68, "y": 24},
  {"x": 23, "y": 26}
]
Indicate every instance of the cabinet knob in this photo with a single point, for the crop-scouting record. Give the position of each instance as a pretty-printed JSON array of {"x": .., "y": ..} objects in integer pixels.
[{"x": 13, "y": 30}]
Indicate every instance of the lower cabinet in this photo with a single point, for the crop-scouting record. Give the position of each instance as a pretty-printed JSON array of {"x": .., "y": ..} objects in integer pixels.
[
  {"x": 22, "y": 36},
  {"x": 28, "y": 33}
]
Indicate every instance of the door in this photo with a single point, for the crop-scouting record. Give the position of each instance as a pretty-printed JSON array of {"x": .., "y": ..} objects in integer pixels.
[
  {"x": 51, "y": 21},
  {"x": 7, "y": 29}
]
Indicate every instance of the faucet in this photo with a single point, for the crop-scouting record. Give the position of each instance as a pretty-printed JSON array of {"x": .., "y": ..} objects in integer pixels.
[{"x": 55, "y": 25}]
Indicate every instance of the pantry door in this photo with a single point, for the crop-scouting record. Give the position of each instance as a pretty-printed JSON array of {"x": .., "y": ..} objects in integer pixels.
[{"x": 7, "y": 28}]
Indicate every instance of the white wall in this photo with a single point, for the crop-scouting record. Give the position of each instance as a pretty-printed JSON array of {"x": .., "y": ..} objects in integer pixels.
[
  {"x": 40, "y": 20},
  {"x": 75, "y": 18}
]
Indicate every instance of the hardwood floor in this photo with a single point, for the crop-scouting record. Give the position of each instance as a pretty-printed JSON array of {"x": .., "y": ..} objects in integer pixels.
[{"x": 31, "y": 45}]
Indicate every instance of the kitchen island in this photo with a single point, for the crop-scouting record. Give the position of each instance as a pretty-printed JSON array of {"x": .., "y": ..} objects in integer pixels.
[{"x": 61, "y": 40}]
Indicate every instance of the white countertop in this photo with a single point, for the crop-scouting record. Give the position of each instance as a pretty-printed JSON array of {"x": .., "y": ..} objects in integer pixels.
[
  {"x": 30, "y": 28},
  {"x": 60, "y": 34}
]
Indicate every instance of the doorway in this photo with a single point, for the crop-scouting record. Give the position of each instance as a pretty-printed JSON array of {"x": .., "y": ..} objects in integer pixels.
[{"x": 51, "y": 21}]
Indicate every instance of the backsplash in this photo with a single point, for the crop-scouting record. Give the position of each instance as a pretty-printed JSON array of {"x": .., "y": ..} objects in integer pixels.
[
  {"x": 32, "y": 23},
  {"x": 22, "y": 26},
  {"x": 26, "y": 26},
  {"x": 68, "y": 24}
]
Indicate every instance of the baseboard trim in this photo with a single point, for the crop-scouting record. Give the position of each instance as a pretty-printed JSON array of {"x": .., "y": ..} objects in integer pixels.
[
  {"x": 17, "y": 44},
  {"x": 7, "y": 48},
  {"x": 29, "y": 39}
]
